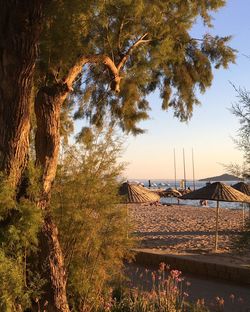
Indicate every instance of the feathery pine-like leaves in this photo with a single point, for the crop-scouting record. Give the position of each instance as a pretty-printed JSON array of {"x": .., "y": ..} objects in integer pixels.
[
  {"x": 92, "y": 225},
  {"x": 19, "y": 225},
  {"x": 242, "y": 111},
  {"x": 170, "y": 60}
]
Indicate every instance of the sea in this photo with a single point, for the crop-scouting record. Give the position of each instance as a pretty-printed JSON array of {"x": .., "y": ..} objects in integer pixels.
[{"x": 165, "y": 184}]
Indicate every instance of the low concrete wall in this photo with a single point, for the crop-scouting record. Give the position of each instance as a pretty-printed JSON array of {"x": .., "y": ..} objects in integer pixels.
[{"x": 189, "y": 265}]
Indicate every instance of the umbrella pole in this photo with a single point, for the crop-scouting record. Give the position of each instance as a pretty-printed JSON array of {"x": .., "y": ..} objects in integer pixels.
[
  {"x": 127, "y": 219},
  {"x": 216, "y": 227},
  {"x": 243, "y": 215}
]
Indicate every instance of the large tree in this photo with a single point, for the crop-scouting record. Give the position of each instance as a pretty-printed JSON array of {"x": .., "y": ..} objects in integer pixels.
[{"x": 113, "y": 53}]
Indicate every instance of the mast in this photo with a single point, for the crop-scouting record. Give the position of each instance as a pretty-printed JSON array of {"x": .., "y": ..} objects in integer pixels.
[
  {"x": 184, "y": 169},
  {"x": 175, "y": 171},
  {"x": 193, "y": 168}
]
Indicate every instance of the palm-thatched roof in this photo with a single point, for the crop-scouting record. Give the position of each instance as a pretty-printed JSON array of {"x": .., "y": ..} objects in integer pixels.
[
  {"x": 137, "y": 194},
  {"x": 218, "y": 191},
  {"x": 242, "y": 187},
  {"x": 170, "y": 192}
]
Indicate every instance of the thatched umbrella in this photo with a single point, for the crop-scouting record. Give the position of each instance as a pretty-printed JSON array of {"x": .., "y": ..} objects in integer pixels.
[
  {"x": 243, "y": 188},
  {"x": 170, "y": 192},
  {"x": 219, "y": 192},
  {"x": 137, "y": 194}
]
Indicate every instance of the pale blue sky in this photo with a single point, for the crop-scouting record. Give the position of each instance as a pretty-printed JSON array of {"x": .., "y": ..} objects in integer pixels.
[{"x": 210, "y": 130}]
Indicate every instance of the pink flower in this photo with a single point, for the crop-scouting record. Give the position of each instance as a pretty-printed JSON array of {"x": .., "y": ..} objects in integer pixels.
[
  {"x": 240, "y": 300},
  {"x": 175, "y": 273}
]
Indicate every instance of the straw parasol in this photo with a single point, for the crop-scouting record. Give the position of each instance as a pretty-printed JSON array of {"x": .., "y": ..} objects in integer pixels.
[
  {"x": 170, "y": 192},
  {"x": 219, "y": 192},
  {"x": 137, "y": 194},
  {"x": 243, "y": 188}
]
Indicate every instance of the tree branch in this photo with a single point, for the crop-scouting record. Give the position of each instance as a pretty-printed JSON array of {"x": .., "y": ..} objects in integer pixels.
[
  {"x": 130, "y": 50},
  {"x": 101, "y": 59},
  {"x": 105, "y": 60}
]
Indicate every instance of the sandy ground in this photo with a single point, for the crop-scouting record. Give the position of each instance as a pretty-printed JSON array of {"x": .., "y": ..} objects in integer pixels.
[{"x": 183, "y": 228}]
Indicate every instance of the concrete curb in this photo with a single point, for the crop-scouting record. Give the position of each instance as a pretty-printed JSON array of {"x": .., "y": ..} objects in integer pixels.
[{"x": 187, "y": 264}]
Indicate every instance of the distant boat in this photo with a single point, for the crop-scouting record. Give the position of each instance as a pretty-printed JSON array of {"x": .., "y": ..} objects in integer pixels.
[{"x": 223, "y": 177}]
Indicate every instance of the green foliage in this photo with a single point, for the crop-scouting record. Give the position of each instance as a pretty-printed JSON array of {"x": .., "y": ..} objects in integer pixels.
[
  {"x": 7, "y": 197},
  {"x": 242, "y": 110},
  {"x": 170, "y": 60},
  {"x": 20, "y": 222},
  {"x": 92, "y": 223},
  {"x": 11, "y": 280},
  {"x": 65, "y": 33}
]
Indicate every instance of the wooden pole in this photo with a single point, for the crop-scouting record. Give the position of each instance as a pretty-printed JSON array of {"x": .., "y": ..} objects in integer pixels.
[
  {"x": 127, "y": 221},
  {"x": 175, "y": 171},
  {"x": 193, "y": 168},
  {"x": 184, "y": 169},
  {"x": 243, "y": 216},
  {"x": 217, "y": 226}
]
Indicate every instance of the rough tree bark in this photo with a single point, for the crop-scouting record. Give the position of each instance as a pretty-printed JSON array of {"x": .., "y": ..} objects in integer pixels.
[
  {"x": 20, "y": 27},
  {"x": 47, "y": 143}
]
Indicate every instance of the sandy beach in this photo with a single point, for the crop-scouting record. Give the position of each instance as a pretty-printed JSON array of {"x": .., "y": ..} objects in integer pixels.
[{"x": 183, "y": 228}]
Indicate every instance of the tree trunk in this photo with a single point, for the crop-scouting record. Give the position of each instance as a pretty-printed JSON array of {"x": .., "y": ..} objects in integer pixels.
[
  {"x": 48, "y": 104},
  {"x": 20, "y": 27},
  {"x": 47, "y": 142},
  {"x": 52, "y": 265}
]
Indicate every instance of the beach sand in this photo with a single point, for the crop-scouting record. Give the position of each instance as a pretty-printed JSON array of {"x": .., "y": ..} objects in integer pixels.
[{"x": 184, "y": 229}]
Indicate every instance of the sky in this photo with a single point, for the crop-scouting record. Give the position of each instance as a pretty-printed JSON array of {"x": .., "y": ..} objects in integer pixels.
[{"x": 210, "y": 131}]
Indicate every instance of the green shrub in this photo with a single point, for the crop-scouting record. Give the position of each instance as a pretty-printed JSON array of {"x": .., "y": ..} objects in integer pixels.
[
  {"x": 92, "y": 224},
  {"x": 20, "y": 222}
]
